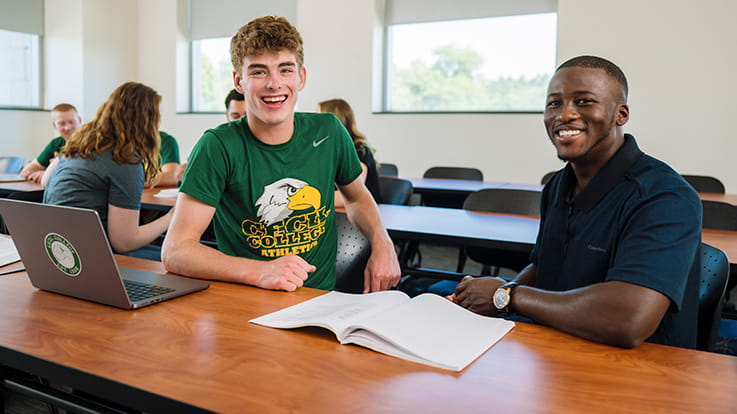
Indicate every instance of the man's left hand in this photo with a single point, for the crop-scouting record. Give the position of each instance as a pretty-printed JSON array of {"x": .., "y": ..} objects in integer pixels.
[{"x": 477, "y": 294}]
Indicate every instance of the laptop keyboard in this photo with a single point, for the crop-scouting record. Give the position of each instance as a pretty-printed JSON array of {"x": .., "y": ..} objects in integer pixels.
[{"x": 140, "y": 291}]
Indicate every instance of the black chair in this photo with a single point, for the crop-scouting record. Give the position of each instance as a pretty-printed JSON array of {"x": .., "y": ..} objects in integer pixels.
[
  {"x": 388, "y": 170},
  {"x": 500, "y": 200},
  {"x": 395, "y": 190},
  {"x": 11, "y": 165},
  {"x": 353, "y": 253},
  {"x": 722, "y": 216},
  {"x": 704, "y": 184},
  {"x": 36, "y": 196},
  {"x": 719, "y": 215},
  {"x": 458, "y": 173},
  {"x": 714, "y": 274},
  {"x": 547, "y": 177},
  {"x": 445, "y": 199}
]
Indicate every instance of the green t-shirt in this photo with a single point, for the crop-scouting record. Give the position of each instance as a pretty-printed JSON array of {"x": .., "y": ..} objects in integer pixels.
[
  {"x": 275, "y": 200},
  {"x": 55, "y": 146},
  {"x": 169, "y": 148}
]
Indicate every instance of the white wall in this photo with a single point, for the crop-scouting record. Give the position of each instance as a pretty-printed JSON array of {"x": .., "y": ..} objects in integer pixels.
[
  {"x": 110, "y": 35},
  {"x": 679, "y": 57},
  {"x": 90, "y": 47}
]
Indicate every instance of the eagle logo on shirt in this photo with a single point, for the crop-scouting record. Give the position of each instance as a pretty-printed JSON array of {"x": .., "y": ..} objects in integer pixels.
[
  {"x": 283, "y": 197},
  {"x": 290, "y": 219}
]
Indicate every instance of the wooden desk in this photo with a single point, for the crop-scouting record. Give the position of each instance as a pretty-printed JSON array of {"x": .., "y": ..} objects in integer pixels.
[
  {"x": 7, "y": 189},
  {"x": 458, "y": 227},
  {"x": 516, "y": 233},
  {"x": 149, "y": 200},
  {"x": 461, "y": 188},
  {"x": 447, "y": 186},
  {"x": 199, "y": 352},
  {"x": 725, "y": 198}
]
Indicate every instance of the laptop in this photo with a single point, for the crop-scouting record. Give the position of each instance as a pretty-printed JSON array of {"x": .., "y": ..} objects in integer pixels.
[{"x": 65, "y": 250}]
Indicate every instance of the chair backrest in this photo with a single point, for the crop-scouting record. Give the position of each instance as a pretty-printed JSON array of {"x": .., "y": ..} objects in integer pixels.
[
  {"x": 504, "y": 200},
  {"x": 547, "y": 177},
  {"x": 388, "y": 170},
  {"x": 353, "y": 254},
  {"x": 458, "y": 173},
  {"x": 704, "y": 184},
  {"x": 395, "y": 190},
  {"x": 713, "y": 284},
  {"x": 11, "y": 165},
  {"x": 719, "y": 215}
]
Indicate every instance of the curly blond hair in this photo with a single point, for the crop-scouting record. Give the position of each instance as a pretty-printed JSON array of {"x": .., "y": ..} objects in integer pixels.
[
  {"x": 128, "y": 124},
  {"x": 265, "y": 34}
]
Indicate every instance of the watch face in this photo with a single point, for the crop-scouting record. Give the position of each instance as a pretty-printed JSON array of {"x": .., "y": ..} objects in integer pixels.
[{"x": 500, "y": 298}]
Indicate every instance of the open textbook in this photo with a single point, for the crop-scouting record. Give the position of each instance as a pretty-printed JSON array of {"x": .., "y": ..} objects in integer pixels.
[
  {"x": 428, "y": 329},
  {"x": 8, "y": 252}
]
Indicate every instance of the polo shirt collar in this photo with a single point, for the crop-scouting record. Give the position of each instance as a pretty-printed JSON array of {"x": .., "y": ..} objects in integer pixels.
[{"x": 611, "y": 174}]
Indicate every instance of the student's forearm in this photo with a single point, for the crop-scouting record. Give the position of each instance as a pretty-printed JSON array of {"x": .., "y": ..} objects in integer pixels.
[
  {"x": 32, "y": 167},
  {"x": 192, "y": 258},
  {"x": 614, "y": 313},
  {"x": 124, "y": 240}
]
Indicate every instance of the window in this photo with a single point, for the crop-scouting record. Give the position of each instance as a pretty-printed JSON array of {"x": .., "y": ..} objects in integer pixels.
[
  {"x": 21, "y": 30},
  {"x": 19, "y": 69},
  {"x": 497, "y": 63},
  {"x": 212, "y": 77},
  {"x": 210, "y": 25}
]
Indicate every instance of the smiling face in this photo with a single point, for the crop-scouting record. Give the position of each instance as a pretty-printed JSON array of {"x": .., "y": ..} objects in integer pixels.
[
  {"x": 65, "y": 122},
  {"x": 584, "y": 114},
  {"x": 271, "y": 83}
]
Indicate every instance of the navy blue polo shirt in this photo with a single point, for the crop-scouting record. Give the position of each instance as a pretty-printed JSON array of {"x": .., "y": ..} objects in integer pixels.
[{"x": 636, "y": 221}]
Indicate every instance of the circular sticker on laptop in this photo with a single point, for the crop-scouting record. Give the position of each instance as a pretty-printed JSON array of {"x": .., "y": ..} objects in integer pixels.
[{"x": 62, "y": 254}]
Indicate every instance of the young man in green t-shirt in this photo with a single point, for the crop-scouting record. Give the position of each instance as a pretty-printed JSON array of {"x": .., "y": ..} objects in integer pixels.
[
  {"x": 267, "y": 181},
  {"x": 65, "y": 119}
]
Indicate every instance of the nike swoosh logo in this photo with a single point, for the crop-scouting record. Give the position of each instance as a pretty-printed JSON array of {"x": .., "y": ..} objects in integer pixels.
[{"x": 316, "y": 143}]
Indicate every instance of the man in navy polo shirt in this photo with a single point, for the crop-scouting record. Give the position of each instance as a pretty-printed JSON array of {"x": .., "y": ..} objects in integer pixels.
[{"x": 614, "y": 260}]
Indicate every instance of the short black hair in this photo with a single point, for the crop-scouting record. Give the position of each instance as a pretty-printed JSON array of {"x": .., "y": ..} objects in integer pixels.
[
  {"x": 595, "y": 62},
  {"x": 233, "y": 94}
]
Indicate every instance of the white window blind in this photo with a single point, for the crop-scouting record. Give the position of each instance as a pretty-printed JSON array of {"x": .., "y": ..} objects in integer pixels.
[
  {"x": 222, "y": 18},
  {"x": 25, "y": 16},
  {"x": 422, "y": 11}
]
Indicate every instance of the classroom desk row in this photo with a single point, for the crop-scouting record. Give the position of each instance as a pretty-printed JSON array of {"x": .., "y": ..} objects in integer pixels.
[
  {"x": 467, "y": 228},
  {"x": 198, "y": 353},
  {"x": 461, "y": 188},
  {"x": 453, "y": 226}
]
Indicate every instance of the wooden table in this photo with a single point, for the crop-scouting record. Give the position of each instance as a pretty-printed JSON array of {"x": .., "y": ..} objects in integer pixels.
[
  {"x": 516, "y": 233},
  {"x": 725, "y": 198},
  {"x": 7, "y": 189},
  {"x": 199, "y": 352},
  {"x": 150, "y": 201}
]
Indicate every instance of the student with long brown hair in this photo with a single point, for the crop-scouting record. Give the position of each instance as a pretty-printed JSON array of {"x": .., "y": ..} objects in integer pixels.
[
  {"x": 370, "y": 173},
  {"x": 105, "y": 164}
]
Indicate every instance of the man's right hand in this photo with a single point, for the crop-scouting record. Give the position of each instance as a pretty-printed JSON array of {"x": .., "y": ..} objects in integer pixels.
[
  {"x": 35, "y": 176},
  {"x": 285, "y": 273}
]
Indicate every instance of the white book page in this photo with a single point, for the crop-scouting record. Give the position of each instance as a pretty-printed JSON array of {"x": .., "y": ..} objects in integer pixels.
[
  {"x": 167, "y": 193},
  {"x": 8, "y": 252},
  {"x": 335, "y": 310},
  {"x": 431, "y": 328}
]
